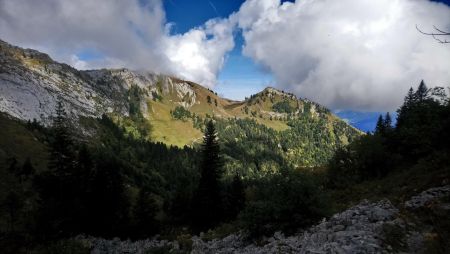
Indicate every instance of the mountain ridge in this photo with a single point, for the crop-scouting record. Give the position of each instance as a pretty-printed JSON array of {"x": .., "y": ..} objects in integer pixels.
[{"x": 32, "y": 83}]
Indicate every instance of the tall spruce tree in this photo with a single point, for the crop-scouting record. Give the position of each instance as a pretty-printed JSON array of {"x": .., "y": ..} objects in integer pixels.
[
  {"x": 406, "y": 107},
  {"x": 62, "y": 156},
  {"x": 422, "y": 92},
  {"x": 387, "y": 122},
  {"x": 207, "y": 202},
  {"x": 379, "y": 128}
]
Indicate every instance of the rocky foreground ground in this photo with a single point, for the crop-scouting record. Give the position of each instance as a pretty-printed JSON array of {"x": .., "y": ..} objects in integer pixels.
[{"x": 377, "y": 227}]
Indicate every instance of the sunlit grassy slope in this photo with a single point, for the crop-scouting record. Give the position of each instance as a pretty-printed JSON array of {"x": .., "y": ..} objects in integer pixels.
[{"x": 261, "y": 107}]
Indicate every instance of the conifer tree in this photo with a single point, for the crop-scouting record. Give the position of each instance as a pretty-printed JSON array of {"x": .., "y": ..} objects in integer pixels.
[
  {"x": 387, "y": 122},
  {"x": 406, "y": 107},
  {"x": 207, "y": 201},
  {"x": 236, "y": 197},
  {"x": 422, "y": 92},
  {"x": 144, "y": 214},
  {"x": 61, "y": 147},
  {"x": 379, "y": 128}
]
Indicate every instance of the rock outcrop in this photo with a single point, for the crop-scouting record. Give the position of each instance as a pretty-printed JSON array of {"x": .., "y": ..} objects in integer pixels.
[
  {"x": 364, "y": 228},
  {"x": 31, "y": 83}
]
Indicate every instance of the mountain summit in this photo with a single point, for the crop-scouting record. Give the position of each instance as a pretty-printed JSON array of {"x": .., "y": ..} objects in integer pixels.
[{"x": 31, "y": 83}]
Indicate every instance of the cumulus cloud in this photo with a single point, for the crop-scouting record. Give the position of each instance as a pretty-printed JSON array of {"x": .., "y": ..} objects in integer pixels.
[
  {"x": 199, "y": 53},
  {"x": 347, "y": 54},
  {"x": 357, "y": 54},
  {"x": 131, "y": 34}
]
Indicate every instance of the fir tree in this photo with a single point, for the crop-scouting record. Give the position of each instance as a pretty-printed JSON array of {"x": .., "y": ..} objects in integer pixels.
[
  {"x": 406, "y": 107},
  {"x": 387, "y": 122},
  {"x": 61, "y": 146},
  {"x": 379, "y": 128},
  {"x": 422, "y": 93},
  {"x": 207, "y": 200}
]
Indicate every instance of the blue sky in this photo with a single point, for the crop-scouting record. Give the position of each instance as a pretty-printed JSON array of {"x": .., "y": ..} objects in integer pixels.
[
  {"x": 240, "y": 76},
  {"x": 358, "y": 55}
]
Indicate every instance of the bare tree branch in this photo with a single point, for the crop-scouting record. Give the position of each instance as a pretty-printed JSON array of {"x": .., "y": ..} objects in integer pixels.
[{"x": 436, "y": 35}]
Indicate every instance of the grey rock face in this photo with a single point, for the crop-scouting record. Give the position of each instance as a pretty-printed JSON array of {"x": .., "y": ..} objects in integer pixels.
[
  {"x": 356, "y": 230},
  {"x": 116, "y": 246},
  {"x": 31, "y": 82},
  {"x": 426, "y": 196}
]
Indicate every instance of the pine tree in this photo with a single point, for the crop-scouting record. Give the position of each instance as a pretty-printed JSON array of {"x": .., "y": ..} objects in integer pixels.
[
  {"x": 387, "y": 122},
  {"x": 406, "y": 107},
  {"x": 422, "y": 93},
  {"x": 379, "y": 128},
  {"x": 207, "y": 201},
  {"x": 61, "y": 147}
]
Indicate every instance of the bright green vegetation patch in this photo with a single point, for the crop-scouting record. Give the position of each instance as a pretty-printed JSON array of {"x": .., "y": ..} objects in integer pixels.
[{"x": 283, "y": 107}]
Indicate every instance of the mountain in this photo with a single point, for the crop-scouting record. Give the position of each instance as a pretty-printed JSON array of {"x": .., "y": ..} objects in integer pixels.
[
  {"x": 364, "y": 121},
  {"x": 168, "y": 109}
]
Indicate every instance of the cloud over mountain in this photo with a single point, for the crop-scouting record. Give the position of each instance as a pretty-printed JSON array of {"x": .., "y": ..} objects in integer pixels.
[
  {"x": 360, "y": 54},
  {"x": 116, "y": 33},
  {"x": 347, "y": 54}
]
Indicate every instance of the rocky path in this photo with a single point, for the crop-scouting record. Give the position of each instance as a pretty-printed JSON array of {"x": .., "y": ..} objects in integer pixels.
[{"x": 365, "y": 228}]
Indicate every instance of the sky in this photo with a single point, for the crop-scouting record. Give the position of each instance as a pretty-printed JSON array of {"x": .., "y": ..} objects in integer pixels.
[{"x": 357, "y": 55}]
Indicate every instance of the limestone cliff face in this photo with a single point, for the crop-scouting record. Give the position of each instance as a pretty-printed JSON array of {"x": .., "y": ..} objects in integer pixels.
[{"x": 31, "y": 82}]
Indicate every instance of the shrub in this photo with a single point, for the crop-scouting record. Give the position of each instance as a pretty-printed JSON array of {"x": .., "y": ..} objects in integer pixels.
[{"x": 285, "y": 201}]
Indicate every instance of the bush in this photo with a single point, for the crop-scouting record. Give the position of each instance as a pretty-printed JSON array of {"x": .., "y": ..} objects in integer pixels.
[
  {"x": 283, "y": 107},
  {"x": 180, "y": 113},
  {"x": 285, "y": 201}
]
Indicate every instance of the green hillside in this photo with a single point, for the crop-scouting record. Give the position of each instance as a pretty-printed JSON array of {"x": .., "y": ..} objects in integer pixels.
[{"x": 298, "y": 131}]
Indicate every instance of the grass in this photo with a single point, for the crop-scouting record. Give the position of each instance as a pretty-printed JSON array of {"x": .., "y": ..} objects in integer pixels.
[
  {"x": 171, "y": 131},
  {"x": 19, "y": 142}
]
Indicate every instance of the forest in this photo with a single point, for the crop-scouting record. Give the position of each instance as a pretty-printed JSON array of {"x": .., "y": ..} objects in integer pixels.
[{"x": 244, "y": 176}]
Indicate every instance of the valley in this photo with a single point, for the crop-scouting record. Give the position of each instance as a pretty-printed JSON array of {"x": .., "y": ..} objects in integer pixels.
[{"x": 90, "y": 158}]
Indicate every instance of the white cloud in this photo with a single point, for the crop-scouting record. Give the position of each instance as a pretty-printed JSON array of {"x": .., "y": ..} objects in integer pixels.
[
  {"x": 347, "y": 54},
  {"x": 131, "y": 34},
  {"x": 359, "y": 54},
  {"x": 199, "y": 54}
]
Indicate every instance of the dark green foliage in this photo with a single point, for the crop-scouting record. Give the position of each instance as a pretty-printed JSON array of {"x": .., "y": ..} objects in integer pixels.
[
  {"x": 144, "y": 213},
  {"x": 283, "y": 107},
  {"x": 114, "y": 183},
  {"x": 421, "y": 134},
  {"x": 254, "y": 149},
  {"x": 138, "y": 121},
  {"x": 62, "y": 156},
  {"x": 285, "y": 201},
  {"x": 180, "y": 113},
  {"x": 108, "y": 201},
  {"x": 207, "y": 203},
  {"x": 156, "y": 96},
  {"x": 234, "y": 200},
  {"x": 134, "y": 101},
  {"x": 208, "y": 99}
]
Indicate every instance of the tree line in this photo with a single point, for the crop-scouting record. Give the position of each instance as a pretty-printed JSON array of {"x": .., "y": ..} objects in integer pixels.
[{"x": 420, "y": 136}]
